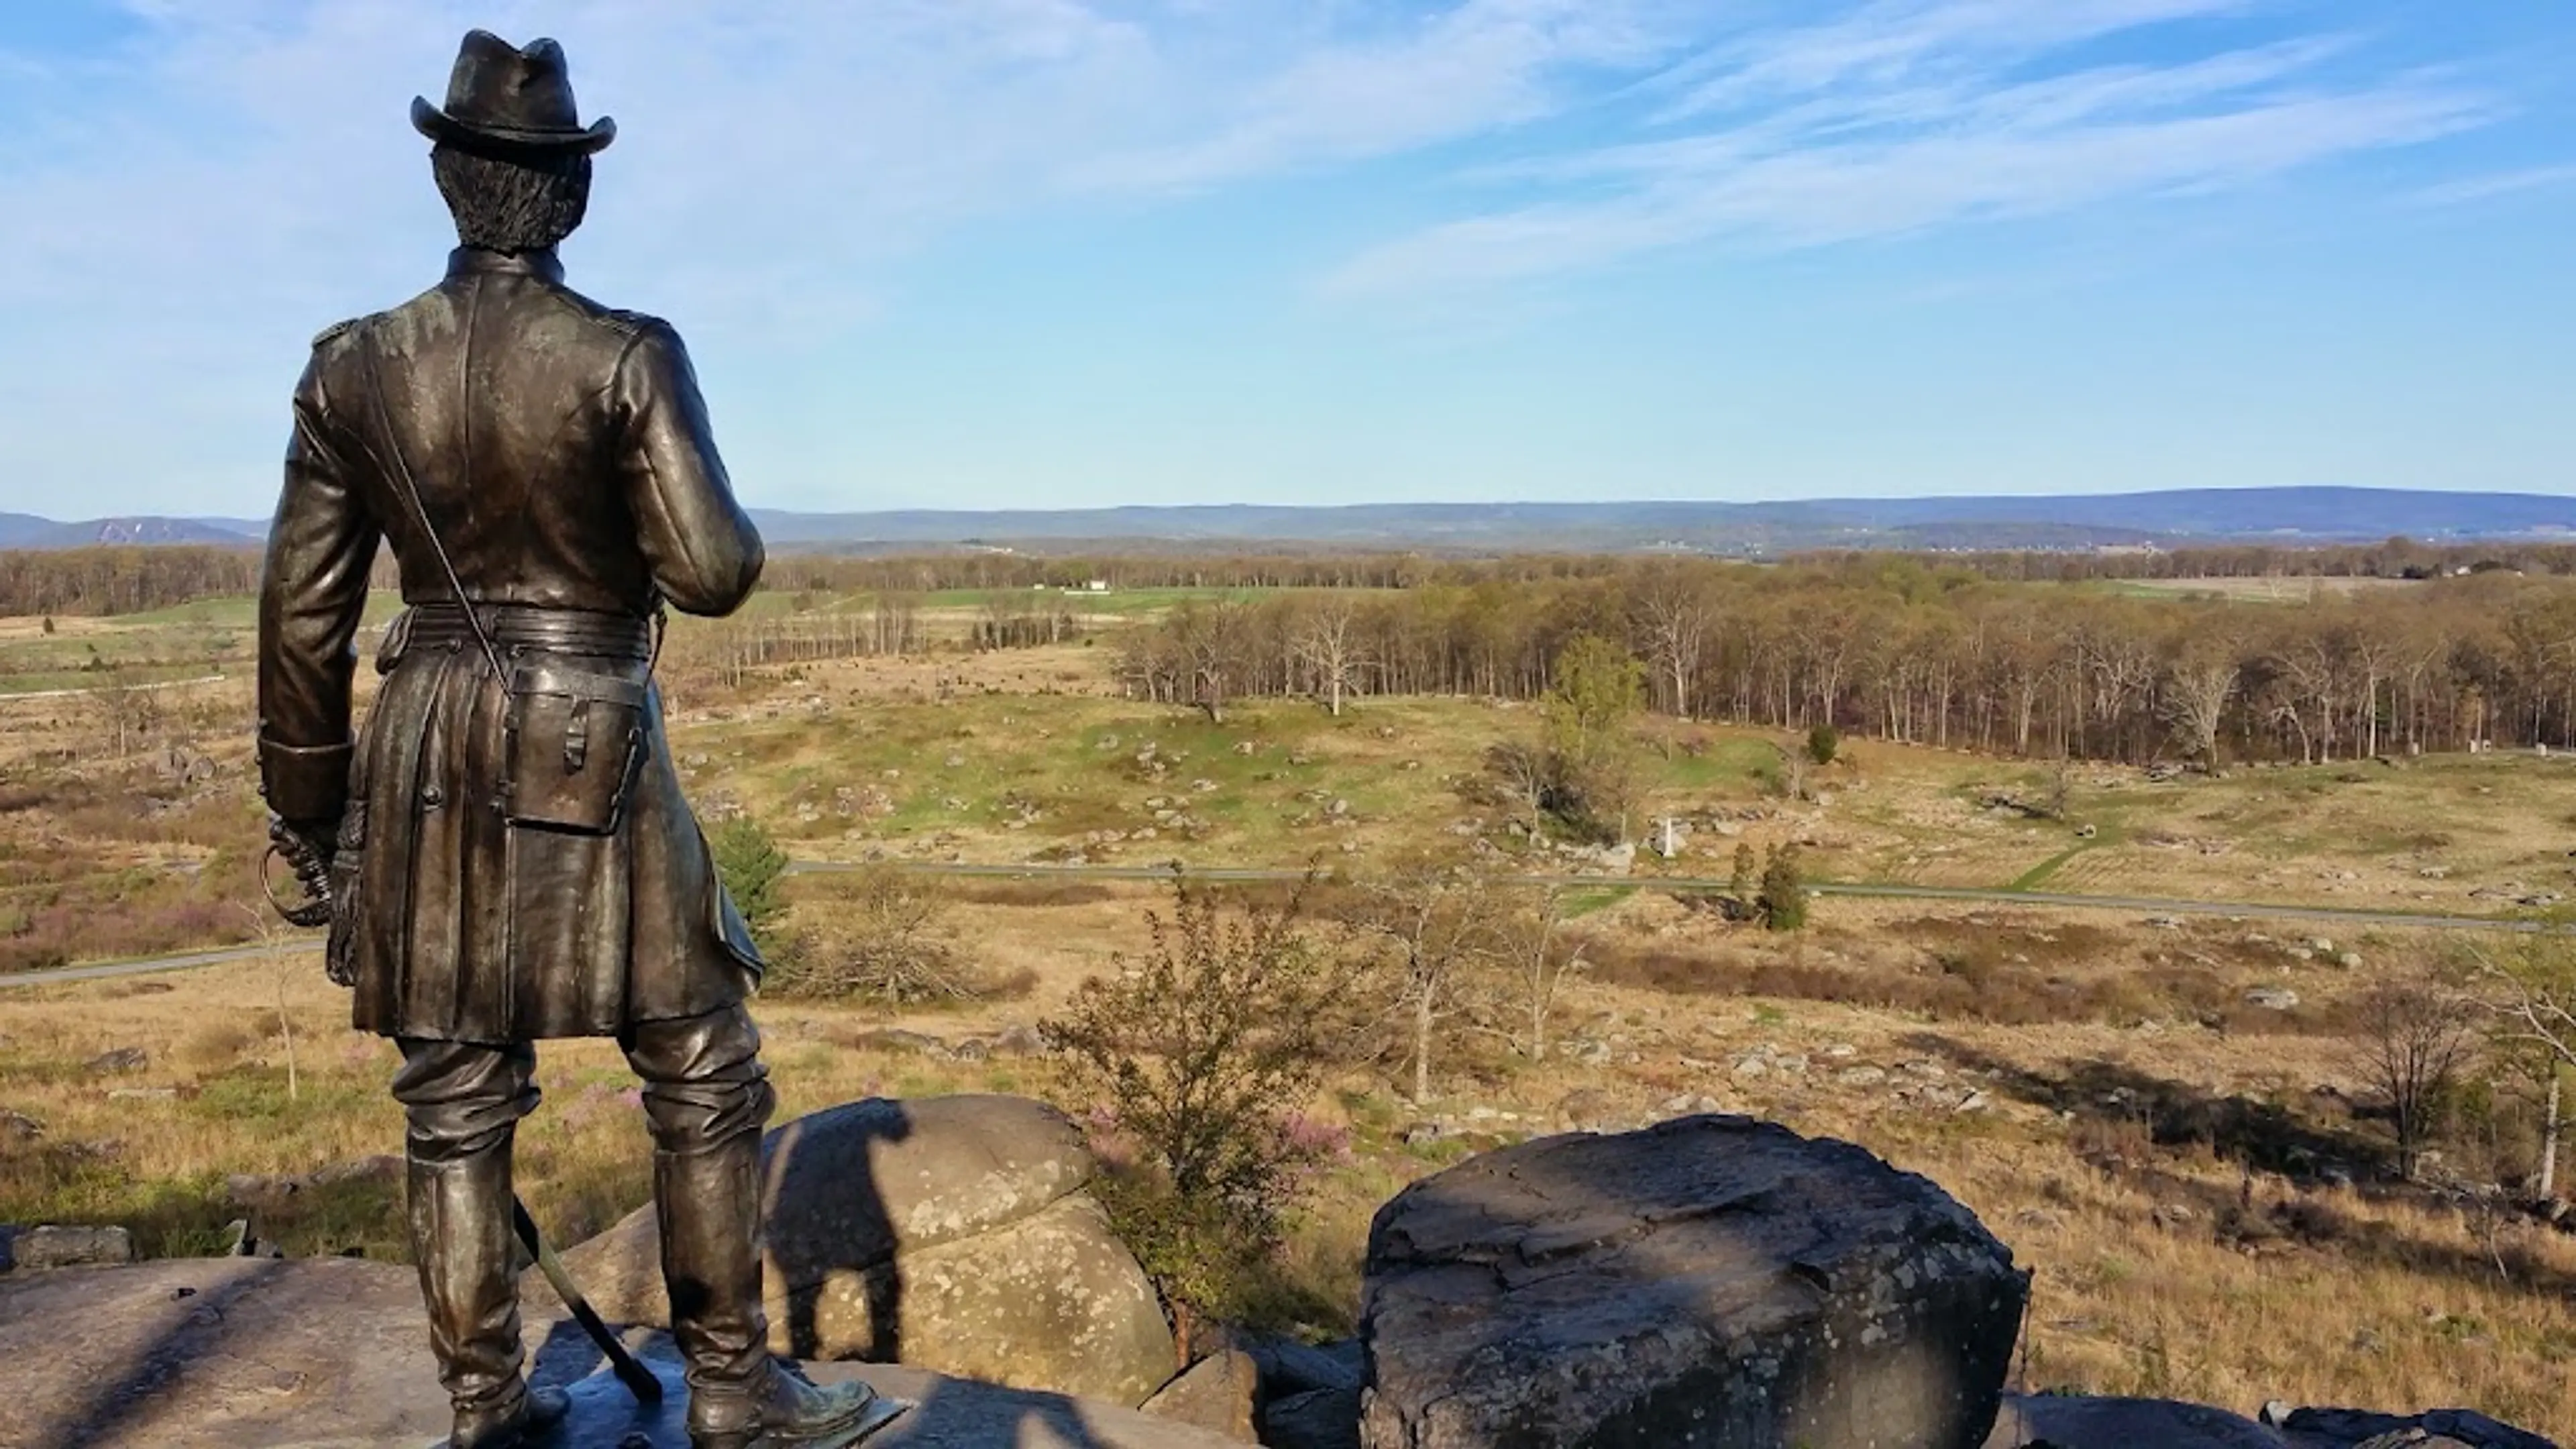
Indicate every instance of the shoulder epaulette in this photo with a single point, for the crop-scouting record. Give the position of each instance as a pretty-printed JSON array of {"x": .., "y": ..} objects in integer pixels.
[{"x": 334, "y": 330}]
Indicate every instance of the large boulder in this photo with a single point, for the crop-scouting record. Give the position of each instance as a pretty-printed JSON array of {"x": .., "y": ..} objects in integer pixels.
[
  {"x": 1708, "y": 1281},
  {"x": 948, "y": 1232},
  {"x": 332, "y": 1353}
]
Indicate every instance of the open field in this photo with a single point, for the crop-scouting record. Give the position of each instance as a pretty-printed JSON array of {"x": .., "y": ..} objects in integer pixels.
[
  {"x": 2266, "y": 589},
  {"x": 1033, "y": 759},
  {"x": 2138, "y": 1160},
  {"x": 2198, "y": 1178},
  {"x": 128, "y": 819}
]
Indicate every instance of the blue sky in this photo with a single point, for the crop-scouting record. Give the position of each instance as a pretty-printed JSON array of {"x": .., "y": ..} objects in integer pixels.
[{"x": 1034, "y": 253}]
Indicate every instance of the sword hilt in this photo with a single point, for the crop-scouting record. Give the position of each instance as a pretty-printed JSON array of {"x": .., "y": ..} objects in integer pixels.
[{"x": 312, "y": 875}]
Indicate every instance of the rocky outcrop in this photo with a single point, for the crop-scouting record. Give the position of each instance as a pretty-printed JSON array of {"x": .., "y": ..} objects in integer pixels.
[
  {"x": 1216, "y": 1394},
  {"x": 950, "y": 1232},
  {"x": 33, "y": 1250},
  {"x": 1306, "y": 1396},
  {"x": 330, "y": 1353},
  {"x": 1709, "y": 1281}
]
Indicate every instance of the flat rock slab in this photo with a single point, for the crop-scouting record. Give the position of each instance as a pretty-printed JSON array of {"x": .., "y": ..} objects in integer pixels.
[
  {"x": 218, "y": 1351},
  {"x": 332, "y": 1353}
]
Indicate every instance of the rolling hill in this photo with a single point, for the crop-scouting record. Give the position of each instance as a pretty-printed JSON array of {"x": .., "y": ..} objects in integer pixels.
[{"x": 2061, "y": 521}]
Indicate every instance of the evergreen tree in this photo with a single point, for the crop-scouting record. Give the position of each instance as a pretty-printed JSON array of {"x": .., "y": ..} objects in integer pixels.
[{"x": 1784, "y": 892}]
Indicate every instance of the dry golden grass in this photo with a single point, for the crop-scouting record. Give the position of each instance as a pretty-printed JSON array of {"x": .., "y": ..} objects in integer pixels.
[
  {"x": 2169, "y": 1256},
  {"x": 2284, "y": 589},
  {"x": 2136, "y": 1112}
]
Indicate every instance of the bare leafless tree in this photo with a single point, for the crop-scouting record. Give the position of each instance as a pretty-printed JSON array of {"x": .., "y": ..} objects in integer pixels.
[
  {"x": 884, "y": 939},
  {"x": 1673, "y": 616},
  {"x": 1528, "y": 771},
  {"x": 279, "y": 961},
  {"x": 128, "y": 708},
  {"x": 1542, "y": 956},
  {"x": 2197, "y": 687},
  {"x": 2415, "y": 1034},
  {"x": 1433, "y": 923},
  {"x": 1329, "y": 645},
  {"x": 2529, "y": 985}
]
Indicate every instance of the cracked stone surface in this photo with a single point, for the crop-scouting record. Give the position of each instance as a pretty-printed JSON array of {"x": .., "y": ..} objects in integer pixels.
[
  {"x": 331, "y": 1353},
  {"x": 1708, "y": 1281}
]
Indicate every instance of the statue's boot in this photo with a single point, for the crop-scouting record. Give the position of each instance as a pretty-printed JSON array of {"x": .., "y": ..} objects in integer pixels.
[
  {"x": 460, "y": 1233},
  {"x": 708, "y": 1202}
]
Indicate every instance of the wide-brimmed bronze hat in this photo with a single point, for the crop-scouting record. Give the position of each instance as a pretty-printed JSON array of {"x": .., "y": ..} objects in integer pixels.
[{"x": 506, "y": 101}]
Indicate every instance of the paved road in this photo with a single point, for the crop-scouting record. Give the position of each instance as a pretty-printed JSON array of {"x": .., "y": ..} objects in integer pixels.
[
  {"x": 100, "y": 970},
  {"x": 2149, "y": 906},
  {"x": 106, "y": 688}
]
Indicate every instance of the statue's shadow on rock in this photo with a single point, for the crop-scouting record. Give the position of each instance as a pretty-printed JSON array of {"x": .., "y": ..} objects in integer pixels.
[
  {"x": 855, "y": 1237},
  {"x": 941, "y": 1414}
]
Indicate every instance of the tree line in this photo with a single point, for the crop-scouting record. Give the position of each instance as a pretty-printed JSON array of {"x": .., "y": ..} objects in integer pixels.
[
  {"x": 120, "y": 580},
  {"x": 1909, "y": 650},
  {"x": 133, "y": 579}
]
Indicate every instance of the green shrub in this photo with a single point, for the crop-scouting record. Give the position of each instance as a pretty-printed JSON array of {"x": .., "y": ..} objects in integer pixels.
[
  {"x": 1784, "y": 891},
  {"x": 1822, "y": 743},
  {"x": 1200, "y": 1056},
  {"x": 753, "y": 868}
]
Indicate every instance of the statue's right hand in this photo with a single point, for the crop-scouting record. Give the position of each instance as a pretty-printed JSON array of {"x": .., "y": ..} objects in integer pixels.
[{"x": 319, "y": 838}]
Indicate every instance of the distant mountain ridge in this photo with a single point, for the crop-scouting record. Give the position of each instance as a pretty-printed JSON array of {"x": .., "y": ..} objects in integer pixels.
[
  {"x": 25, "y": 530},
  {"x": 2310, "y": 515}
]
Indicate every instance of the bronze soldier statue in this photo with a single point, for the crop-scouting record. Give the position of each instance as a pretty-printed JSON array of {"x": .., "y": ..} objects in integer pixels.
[{"x": 510, "y": 852}]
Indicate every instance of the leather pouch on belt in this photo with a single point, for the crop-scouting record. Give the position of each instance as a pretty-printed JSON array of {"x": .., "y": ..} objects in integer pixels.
[{"x": 573, "y": 741}]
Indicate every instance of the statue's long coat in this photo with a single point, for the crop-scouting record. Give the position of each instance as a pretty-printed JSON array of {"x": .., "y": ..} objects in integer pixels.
[{"x": 563, "y": 454}]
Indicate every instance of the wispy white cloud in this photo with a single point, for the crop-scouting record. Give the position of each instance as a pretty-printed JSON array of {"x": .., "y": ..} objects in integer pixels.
[
  {"x": 1893, "y": 43},
  {"x": 2495, "y": 184},
  {"x": 1478, "y": 67},
  {"x": 186, "y": 204},
  {"x": 1919, "y": 114}
]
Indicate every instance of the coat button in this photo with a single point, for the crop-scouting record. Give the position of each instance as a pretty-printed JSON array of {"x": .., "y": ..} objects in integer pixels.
[{"x": 432, "y": 796}]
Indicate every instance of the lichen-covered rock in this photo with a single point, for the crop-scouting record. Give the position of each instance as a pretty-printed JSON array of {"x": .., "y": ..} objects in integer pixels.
[
  {"x": 1710, "y": 1281},
  {"x": 950, "y": 1232}
]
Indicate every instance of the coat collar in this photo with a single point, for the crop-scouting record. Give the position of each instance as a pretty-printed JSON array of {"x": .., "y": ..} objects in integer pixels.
[{"x": 544, "y": 265}]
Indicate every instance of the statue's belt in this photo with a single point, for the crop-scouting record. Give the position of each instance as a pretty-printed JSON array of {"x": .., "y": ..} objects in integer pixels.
[{"x": 516, "y": 626}]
